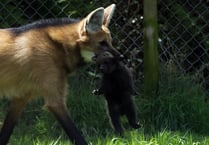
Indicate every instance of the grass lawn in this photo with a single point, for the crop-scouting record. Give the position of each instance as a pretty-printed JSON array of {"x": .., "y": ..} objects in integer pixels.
[
  {"x": 178, "y": 116},
  {"x": 130, "y": 138}
]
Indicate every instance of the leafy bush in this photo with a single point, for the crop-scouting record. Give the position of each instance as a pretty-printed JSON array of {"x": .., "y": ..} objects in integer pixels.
[{"x": 181, "y": 104}]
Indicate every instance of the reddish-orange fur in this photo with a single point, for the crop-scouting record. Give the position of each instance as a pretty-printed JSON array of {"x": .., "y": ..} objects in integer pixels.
[{"x": 36, "y": 62}]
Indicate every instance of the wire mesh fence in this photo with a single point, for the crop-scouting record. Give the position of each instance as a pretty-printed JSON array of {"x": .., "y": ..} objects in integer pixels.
[
  {"x": 184, "y": 37},
  {"x": 183, "y": 28}
]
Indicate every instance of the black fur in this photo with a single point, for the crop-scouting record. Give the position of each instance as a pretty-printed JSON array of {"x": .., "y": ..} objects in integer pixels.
[
  {"x": 42, "y": 24},
  {"x": 118, "y": 89}
]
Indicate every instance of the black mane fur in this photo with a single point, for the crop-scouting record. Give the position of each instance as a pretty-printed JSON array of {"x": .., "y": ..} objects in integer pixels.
[{"x": 42, "y": 23}]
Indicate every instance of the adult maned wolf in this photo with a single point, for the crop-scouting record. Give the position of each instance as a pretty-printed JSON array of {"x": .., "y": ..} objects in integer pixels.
[{"x": 36, "y": 58}]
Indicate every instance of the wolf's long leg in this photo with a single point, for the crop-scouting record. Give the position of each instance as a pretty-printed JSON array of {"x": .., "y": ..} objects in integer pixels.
[
  {"x": 16, "y": 107},
  {"x": 60, "y": 112}
]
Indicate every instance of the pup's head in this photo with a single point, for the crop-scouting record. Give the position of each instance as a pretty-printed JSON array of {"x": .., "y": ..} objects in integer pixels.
[
  {"x": 106, "y": 62},
  {"x": 94, "y": 32}
]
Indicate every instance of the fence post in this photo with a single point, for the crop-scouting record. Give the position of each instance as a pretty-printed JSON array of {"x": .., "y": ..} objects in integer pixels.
[{"x": 150, "y": 48}]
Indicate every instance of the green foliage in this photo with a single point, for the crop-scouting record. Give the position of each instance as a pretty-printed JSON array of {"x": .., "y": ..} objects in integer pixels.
[
  {"x": 181, "y": 104},
  {"x": 10, "y": 14},
  {"x": 16, "y": 13},
  {"x": 184, "y": 34}
]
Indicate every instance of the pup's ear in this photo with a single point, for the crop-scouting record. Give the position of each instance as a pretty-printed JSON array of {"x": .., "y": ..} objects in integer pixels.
[
  {"x": 94, "y": 21},
  {"x": 108, "y": 13}
]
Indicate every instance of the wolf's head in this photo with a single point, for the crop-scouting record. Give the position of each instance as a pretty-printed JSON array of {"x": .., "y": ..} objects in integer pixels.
[{"x": 94, "y": 33}]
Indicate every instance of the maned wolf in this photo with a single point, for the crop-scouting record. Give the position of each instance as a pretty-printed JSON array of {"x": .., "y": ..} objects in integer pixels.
[
  {"x": 117, "y": 87},
  {"x": 36, "y": 58}
]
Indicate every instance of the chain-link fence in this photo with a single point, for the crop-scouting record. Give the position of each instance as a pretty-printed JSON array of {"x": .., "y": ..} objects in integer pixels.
[
  {"x": 183, "y": 28},
  {"x": 184, "y": 37}
]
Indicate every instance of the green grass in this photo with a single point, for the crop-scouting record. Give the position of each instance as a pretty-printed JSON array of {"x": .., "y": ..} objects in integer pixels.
[
  {"x": 179, "y": 115},
  {"x": 131, "y": 138}
]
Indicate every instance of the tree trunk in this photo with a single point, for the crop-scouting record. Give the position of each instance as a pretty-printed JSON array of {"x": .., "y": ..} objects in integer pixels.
[{"x": 150, "y": 48}]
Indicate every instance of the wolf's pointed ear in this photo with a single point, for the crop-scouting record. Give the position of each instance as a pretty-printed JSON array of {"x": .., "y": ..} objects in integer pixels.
[
  {"x": 108, "y": 13},
  {"x": 94, "y": 20}
]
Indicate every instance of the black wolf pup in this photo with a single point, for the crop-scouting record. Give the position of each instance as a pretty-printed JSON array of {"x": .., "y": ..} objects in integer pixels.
[{"x": 118, "y": 88}]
